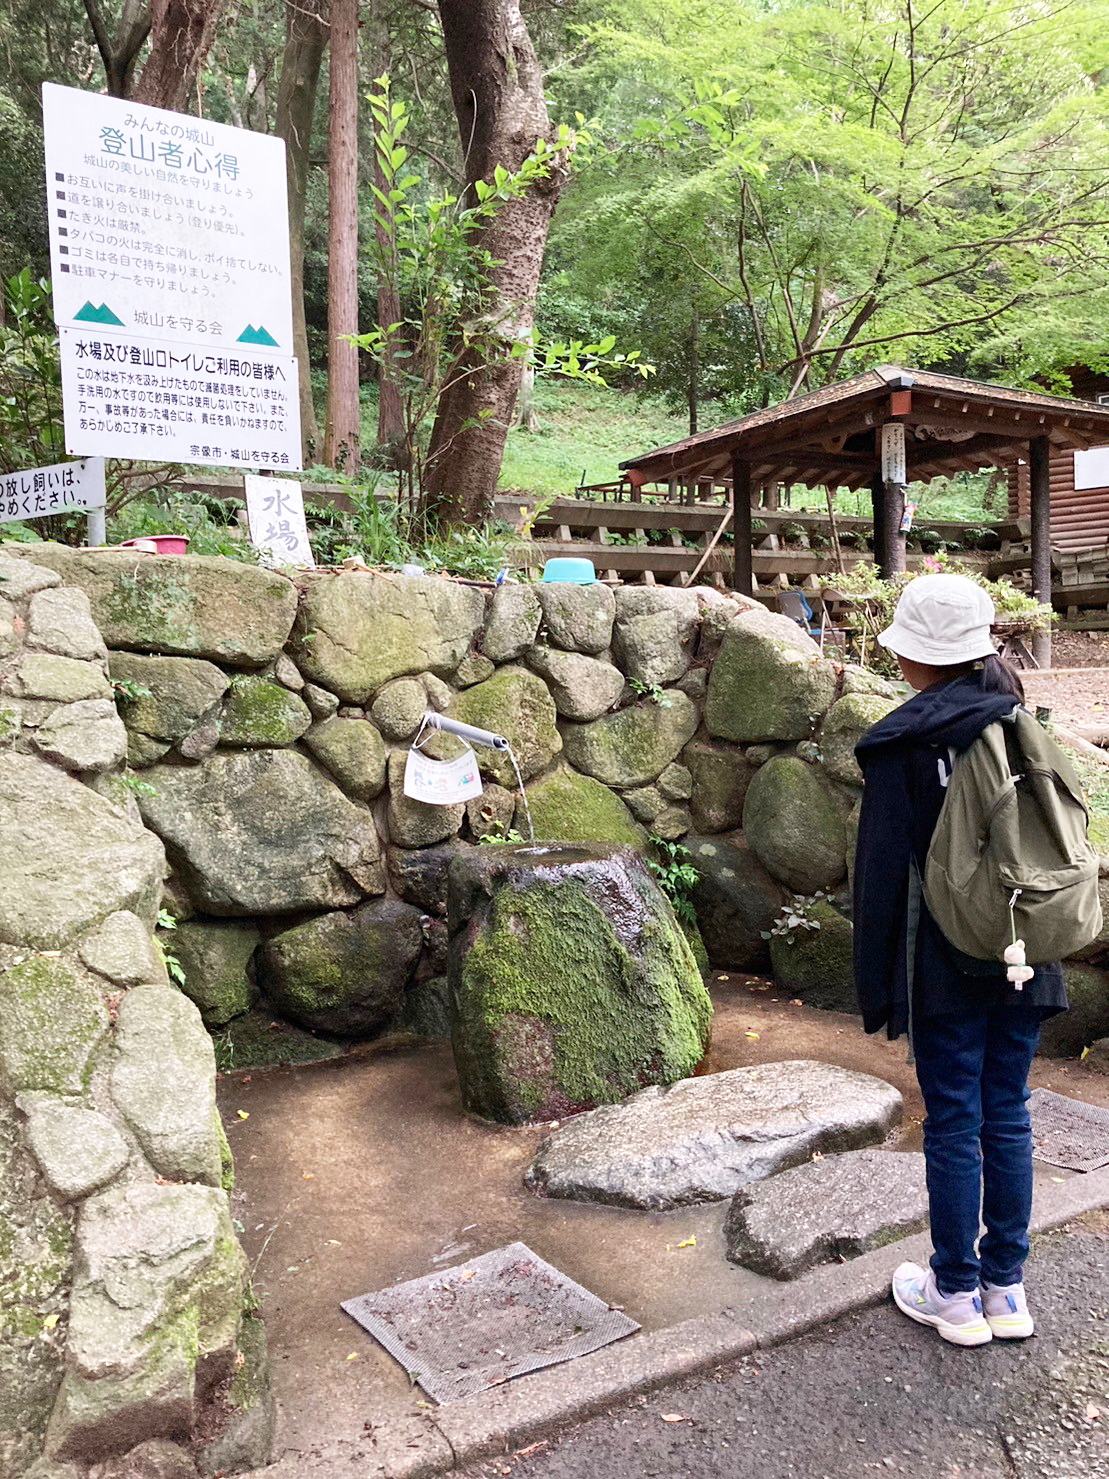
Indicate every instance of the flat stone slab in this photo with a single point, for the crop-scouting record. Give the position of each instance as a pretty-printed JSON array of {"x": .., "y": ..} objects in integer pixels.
[
  {"x": 834, "y": 1208},
  {"x": 703, "y": 1138}
]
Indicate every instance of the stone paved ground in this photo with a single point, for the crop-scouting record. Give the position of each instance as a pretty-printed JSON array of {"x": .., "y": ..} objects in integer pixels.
[{"x": 875, "y": 1394}]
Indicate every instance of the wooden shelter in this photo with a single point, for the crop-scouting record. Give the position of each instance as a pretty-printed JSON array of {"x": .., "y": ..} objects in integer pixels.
[{"x": 832, "y": 438}]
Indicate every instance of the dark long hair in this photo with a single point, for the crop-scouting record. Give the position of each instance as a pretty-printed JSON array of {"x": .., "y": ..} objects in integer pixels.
[{"x": 995, "y": 673}]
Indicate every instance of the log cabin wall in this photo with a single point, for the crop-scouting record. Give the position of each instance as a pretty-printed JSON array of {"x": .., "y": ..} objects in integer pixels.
[{"x": 1079, "y": 517}]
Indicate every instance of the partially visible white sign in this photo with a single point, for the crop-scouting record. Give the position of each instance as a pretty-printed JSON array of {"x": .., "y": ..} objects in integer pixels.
[
  {"x": 52, "y": 490},
  {"x": 125, "y": 396},
  {"x": 893, "y": 452},
  {"x": 441, "y": 782},
  {"x": 165, "y": 225},
  {"x": 275, "y": 513},
  {"x": 1091, "y": 468}
]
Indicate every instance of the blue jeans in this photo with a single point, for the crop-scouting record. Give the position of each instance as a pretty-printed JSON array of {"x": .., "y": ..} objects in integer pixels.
[{"x": 973, "y": 1074}]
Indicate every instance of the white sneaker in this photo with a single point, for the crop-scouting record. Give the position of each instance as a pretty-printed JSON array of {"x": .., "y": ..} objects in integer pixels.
[
  {"x": 1006, "y": 1311},
  {"x": 957, "y": 1318}
]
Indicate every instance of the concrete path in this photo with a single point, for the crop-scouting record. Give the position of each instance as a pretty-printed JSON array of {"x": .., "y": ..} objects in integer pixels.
[{"x": 358, "y": 1174}]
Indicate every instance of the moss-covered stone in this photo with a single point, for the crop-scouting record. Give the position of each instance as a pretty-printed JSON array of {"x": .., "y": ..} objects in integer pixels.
[
  {"x": 36, "y": 1240},
  {"x": 216, "y": 958},
  {"x": 344, "y": 973},
  {"x": 583, "y": 687},
  {"x": 357, "y": 631},
  {"x": 63, "y": 680},
  {"x": 633, "y": 746},
  {"x": 568, "y": 807},
  {"x": 427, "y": 1010},
  {"x": 517, "y": 704},
  {"x": 736, "y": 901},
  {"x": 769, "y": 681},
  {"x": 844, "y": 725},
  {"x": 415, "y": 823},
  {"x": 513, "y": 622},
  {"x": 816, "y": 964},
  {"x": 795, "y": 820},
  {"x": 577, "y": 617},
  {"x": 54, "y": 1020},
  {"x": 258, "y": 712},
  {"x": 181, "y": 693},
  {"x": 399, "y": 708},
  {"x": 572, "y": 983},
  {"x": 187, "y": 605},
  {"x": 721, "y": 774},
  {"x": 245, "y": 1438},
  {"x": 259, "y": 1041},
  {"x": 354, "y": 752}
]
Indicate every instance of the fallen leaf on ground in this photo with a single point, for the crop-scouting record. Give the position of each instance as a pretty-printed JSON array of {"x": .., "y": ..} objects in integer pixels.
[
  {"x": 753, "y": 1035},
  {"x": 244, "y": 1114},
  {"x": 689, "y": 1242},
  {"x": 467, "y": 1276},
  {"x": 674, "y": 1417},
  {"x": 308, "y": 1175},
  {"x": 50, "y": 1322},
  {"x": 721, "y": 978},
  {"x": 1092, "y": 1412},
  {"x": 353, "y": 1356},
  {"x": 532, "y": 1448}
]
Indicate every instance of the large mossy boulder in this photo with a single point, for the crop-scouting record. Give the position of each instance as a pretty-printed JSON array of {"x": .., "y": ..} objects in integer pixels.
[
  {"x": 769, "y": 681},
  {"x": 514, "y": 616},
  {"x": 844, "y": 725},
  {"x": 572, "y": 984},
  {"x": 358, "y": 631},
  {"x": 577, "y": 617},
  {"x": 518, "y": 705},
  {"x": 814, "y": 961},
  {"x": 568, "y": 807},
  {"x": 736, "y": 900},
  {"x": 635, "y": 745},
  {"x": 263, "y": 832},
  {"x": 354, "y": 752},
  {"x": 795, "y": 821},
  {"x": 1065, "y": 1035},
  {"x": 184, "y": 605},
  {"x": 69, "y": 858},
  {"x": 344, "y": 973},
  {"x": 583, "y": 687}
]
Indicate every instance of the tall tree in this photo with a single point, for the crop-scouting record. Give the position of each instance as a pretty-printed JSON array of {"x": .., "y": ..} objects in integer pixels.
[
  {"x": 342, "y": 433},
  {"x": 497, "y": 88},
  {"x": 181, "y": 36},
  {"x": 306, "y": 33},
  {"x": 119, "y": 45},
  {"x": 390, "y": 408}
]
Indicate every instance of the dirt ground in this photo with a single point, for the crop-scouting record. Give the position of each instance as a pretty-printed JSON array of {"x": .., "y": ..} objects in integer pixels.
[
  {"x": 357, "y": 1174},
  {"x": 1075, "y": 696}
]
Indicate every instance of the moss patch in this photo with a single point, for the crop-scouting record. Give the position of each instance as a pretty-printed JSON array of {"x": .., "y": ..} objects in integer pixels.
[
  {"x": 568, "y": 807},
  {"x": 256, "y": 1040},
  {"x": 53, "y": 1021},
  {"x": 257, "y": 712},
  {"x": 817, "y": 966}
]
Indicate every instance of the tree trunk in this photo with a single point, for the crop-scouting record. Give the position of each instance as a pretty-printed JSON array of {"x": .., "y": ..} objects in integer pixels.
[
  {"x": 181, "y": 36},
  {"x": 306, "y": 33},
  {"x": 693, "y": 384},
  {"x": 497, "y": 87},
  {"x": 527, "y": 417},
  {"x": 391, "y": 439},
  {"x": 342, "y": 432},
  {"x": 119, "y": 51}
]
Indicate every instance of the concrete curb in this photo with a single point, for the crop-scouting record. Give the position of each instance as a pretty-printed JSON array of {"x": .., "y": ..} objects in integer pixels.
[{"x": 527, "y": 1410}]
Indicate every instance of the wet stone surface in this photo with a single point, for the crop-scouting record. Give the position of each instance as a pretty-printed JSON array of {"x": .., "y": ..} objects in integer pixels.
[{"x": 704, "y": 1138}]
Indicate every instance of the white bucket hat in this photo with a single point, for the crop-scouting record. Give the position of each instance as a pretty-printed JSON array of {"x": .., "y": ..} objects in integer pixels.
[{"x": 941, "y": 620}]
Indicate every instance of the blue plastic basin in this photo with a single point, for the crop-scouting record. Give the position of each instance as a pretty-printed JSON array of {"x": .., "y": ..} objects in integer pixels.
[{"x": 578, "y": 571}]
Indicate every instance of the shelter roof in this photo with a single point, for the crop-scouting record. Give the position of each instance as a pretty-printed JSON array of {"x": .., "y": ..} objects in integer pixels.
[{"x": 829, "y": 437}]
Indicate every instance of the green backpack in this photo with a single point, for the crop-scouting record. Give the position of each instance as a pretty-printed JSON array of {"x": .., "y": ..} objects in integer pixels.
[{"x": 1010, "y": 857}]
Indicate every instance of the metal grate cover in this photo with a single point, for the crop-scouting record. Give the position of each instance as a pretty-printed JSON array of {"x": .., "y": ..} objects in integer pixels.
[
  {"x": 465, "y": 1329},
  {"x": 1068, "y": 1133}
]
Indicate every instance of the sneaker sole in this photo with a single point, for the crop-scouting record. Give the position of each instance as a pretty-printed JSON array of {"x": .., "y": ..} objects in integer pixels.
[
  {"x": 967, "y": 1335},
  {"x": 1011, "y": 1327}
]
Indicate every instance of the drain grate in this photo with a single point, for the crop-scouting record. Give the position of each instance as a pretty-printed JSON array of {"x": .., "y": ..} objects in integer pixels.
[
  {"x": 1068, "y": 1133},
  {"x": 464, "y": 1329}
]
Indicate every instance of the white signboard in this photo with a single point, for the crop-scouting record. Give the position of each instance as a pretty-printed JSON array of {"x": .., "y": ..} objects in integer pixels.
[
  {"x": 441, "y": 782},
  {"x": 52, "y": 490},
  {"x": 129, "y": 397},
  {"x": 169, "y": 234},
  {"x": 275, "y": 513},
  {"x": 1091, "y": 468},
  {"x": 893, "y": 453}
]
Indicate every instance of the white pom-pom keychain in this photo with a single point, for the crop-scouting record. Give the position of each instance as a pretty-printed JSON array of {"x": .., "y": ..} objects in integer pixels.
[{"x": 1019, "y": 970}]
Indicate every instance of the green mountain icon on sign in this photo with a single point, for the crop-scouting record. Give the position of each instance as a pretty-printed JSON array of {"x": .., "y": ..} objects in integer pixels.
[
  {"x": 259, "y": 335},
  {"x": 102, "y": 315}
]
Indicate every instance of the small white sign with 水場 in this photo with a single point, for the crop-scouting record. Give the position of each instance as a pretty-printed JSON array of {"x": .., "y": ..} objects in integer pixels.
[
  {"x": 52, "y": 490},
  {"x": 275, "y": 513}
]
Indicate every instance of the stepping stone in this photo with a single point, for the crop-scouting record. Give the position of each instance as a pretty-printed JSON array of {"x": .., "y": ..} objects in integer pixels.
[
  {"x": 826, "y": 1210},
  {"x": 703, "y": 1138}
]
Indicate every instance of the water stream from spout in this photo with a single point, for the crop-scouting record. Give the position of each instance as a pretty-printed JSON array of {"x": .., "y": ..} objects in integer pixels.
[{"x": 523, "y": 793}]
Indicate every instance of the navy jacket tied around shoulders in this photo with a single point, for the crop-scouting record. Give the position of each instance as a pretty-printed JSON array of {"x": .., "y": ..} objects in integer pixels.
[{"x": 906, "y": 759}]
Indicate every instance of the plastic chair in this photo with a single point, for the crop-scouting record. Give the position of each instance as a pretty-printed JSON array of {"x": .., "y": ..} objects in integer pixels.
[{"x": 794, "y": 605}]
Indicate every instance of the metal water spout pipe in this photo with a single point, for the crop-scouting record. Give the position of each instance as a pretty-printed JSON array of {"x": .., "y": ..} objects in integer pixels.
[{"x": 466, "y": 732}]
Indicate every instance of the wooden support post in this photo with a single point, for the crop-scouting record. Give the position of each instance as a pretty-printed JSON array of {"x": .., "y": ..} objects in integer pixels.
[
  {"x": 1040, "y": 482},
  {"x": 741, "y": 526},
  {"x": 889, "y": 542}
]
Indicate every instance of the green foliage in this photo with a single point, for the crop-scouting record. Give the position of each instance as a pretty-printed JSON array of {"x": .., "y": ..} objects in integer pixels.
[
  {"x": 654, "y": 691},
  {"x": 174, "y": 969},
  {"x": 30, "y": 376},
  {"x": 129, "y": 691},
  {"x": 794, "y": 916},
  {"x": 207, "y": 522},
  {"x": 499, "y": 835},
  {"x": 136, "y": 785},
  {"x": 676, "y": 876}
]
